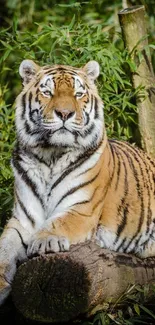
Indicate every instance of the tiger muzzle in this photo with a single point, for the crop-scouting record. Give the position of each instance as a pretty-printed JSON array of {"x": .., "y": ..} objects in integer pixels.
[{"x": 64, "y": 114}]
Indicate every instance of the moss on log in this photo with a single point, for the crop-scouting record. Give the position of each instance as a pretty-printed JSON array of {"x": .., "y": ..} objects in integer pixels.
[
  {"x": 61, "y": 287},
  {"x": 134, "y": 30}
]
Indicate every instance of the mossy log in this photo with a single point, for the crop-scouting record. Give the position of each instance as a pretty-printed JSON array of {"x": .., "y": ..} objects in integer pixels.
[
  {"x": 61, "y": 287},
  {"x": 134, "y": 30}
]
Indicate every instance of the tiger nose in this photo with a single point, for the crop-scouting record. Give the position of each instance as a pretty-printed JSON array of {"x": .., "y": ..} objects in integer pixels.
[{"x": 64, "y": 115}]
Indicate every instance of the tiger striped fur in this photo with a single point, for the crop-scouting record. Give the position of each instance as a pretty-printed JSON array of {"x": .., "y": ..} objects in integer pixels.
[{"x": 71, "y": 182}]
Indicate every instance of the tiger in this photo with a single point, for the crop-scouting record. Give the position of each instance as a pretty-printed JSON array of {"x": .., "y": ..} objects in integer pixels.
[{"x": 72, "y": 183}]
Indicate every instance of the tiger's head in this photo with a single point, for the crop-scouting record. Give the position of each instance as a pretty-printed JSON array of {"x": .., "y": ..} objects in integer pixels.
[{"x": 59, "y": 106}]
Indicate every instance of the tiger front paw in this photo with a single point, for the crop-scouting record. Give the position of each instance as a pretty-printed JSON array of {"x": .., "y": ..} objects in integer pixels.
[{"x": 50, "y": 244}]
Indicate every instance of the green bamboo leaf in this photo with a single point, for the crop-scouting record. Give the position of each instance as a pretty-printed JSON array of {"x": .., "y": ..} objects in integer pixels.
[
  {"x": 137, "y": 309},
  {"x": 147, "y": 311},
  {"x": 8, "y": 46},
  {"x": 39, "y": 39},
  {"x": 5, "y": 55}
]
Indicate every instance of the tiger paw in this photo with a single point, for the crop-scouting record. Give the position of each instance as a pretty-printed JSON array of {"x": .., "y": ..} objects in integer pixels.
[
  {"x": 105, "y": 238},
  {"x": 50, "y": 244}
]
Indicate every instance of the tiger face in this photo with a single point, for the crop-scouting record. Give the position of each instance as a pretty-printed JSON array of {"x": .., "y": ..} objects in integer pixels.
[{"x": 59, "y": 106}]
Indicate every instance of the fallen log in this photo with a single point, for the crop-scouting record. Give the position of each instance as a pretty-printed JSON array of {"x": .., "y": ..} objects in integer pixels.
[{"x": 60, "y": 287}]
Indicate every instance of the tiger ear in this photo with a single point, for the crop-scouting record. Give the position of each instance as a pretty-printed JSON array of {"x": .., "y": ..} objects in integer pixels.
[
  {"x": 27, "y": 70},
  {"x": 92, "y": 69}
]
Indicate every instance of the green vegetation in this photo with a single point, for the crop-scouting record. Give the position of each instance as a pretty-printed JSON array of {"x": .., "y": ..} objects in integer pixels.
[
  {"x": 132, "y": 308},
  {"x": 70, "y": 32}
]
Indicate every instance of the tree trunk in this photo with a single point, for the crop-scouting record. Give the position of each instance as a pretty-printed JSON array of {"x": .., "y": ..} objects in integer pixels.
[
  {"x": 133, "y": 24},
  {"x": 60, "y": 287}
]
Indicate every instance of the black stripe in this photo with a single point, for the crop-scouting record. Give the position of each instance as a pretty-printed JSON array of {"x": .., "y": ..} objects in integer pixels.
[
  {"x": 96, "y": 113},
  {"x": 25, "y": 210},
  {"x": 31, "y": 113},
  {"x": 23, "y": 104},
  {"x": 24, "y": 176},
  {"x": 97, "y": 204},
  {"x": 27, "y": 127},
  {"x": 23, "y": 243},
  {"x": 90, "y": 199},
  {"x": 118, "y": 173},
  {"x": 133, "y": 238},
  {"x": 92, "y": 103},
  {"x": 78, "y": 133},
  {"x": 81, "y": 214},
  {"x": 41, "y": 160},
  {"x": 147, "y": 184},
  {"x": 113, "y": 158},
  {"x": 132, "y": 166},
  {"x": 132, "y": 152},
  {"x": 136, "y": 244},
  {"x": 148, "y": 170},
  {"x": 82, "y": 202},
  {"x": 88, "y": 131},
  {"x": 30, "y": 107},
  {"x": 87, "y": 118},
  {"x": 87, "y": 86},
  {"x": 139, "y": 190},
  {"x": 61, "y": 70},
  {"x": 123, "y": 222},
  {"x": 48, "y": 79},
  {"x": 86, "y": 171},
  {"x": 74, "y": 165},
  {"x": 121, "y": 245},
  {"x": 47, "y": 67},
  {"x": 81, "y": 85},
  {"x": 74, "y": 189},
  {"x": 36, "y": 85},
  {"x": 123, "y": 206},
  {"x": 131, "y": 159}
]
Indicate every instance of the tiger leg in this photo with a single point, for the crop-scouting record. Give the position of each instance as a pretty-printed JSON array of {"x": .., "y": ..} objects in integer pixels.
[
  {"x": 58, "y": 234},
  {"x": 12, "y": 249},
  {"x": 147, "y": 250}
]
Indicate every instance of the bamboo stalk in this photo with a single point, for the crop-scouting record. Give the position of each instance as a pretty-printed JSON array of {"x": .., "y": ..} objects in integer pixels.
[{"x": 134, "y": 31}]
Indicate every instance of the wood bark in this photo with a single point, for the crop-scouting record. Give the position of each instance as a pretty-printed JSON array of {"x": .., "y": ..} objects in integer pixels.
[
  {"x": 61, "y": 287},
  {"x": 134, "y": 30}
]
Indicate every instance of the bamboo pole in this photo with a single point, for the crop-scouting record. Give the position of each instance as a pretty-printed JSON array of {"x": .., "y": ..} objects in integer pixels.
[{"x": 134, "y": 31}]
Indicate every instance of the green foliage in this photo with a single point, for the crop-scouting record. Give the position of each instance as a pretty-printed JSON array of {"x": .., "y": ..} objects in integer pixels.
[
  {"x": 134, "y": 307},
  {"x": 7, "y": 137}
]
